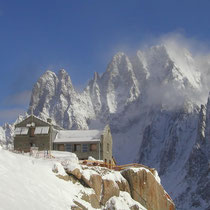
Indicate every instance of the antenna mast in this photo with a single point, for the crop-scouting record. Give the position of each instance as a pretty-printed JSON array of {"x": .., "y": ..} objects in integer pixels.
[{"x": 32, "y": 112}]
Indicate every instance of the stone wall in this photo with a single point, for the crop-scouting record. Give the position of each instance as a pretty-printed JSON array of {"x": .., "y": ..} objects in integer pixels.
[{"x": 106, "y": 152}]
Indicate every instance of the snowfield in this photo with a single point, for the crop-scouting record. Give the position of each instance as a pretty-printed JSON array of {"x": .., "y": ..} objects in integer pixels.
[{"x": 29, "y": 183}]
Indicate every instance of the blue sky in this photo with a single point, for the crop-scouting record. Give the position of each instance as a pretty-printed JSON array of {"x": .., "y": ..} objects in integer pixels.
[{"x": 82, "y": 36}]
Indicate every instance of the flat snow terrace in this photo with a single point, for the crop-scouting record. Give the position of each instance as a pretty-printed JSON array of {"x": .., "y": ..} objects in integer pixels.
[{"x": 74, "y": 136}]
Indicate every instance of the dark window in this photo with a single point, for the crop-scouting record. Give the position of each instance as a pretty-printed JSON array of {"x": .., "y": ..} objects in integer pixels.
[
  {"x": 84, "y": 148},
  {"x": 77, "y": 148},
  {"x": 93, "y": 147},
  {"x": 69, "y": 147}
]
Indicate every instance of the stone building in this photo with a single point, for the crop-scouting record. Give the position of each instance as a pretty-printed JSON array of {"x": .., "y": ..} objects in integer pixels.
[
  {"x": 35, "y": 132},
  {"x": 85, "y": 143}
]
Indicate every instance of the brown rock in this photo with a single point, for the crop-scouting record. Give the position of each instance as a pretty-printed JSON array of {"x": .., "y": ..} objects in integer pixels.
[
  {"x": 68, "y": 178},
  {"x": 146, "y": 190},
  {"x": 94, "y": 182},
  {"x": 76, "y": 172},
  {"x": 110, "y": 189},
  {"x": 92, "y": 199},
  {"x": 123, "y": 186},
  {"x": 134, "y": 207},
  {"x": 78, "y": 206}
]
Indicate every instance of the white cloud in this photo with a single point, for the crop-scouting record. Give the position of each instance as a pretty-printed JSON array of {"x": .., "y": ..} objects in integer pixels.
[{"x": 195, "y": 46}]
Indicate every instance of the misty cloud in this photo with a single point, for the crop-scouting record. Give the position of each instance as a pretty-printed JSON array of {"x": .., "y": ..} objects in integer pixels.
[{"x": 189, "y": 73}]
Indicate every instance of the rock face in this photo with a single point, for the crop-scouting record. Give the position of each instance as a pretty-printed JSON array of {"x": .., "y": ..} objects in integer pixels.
[
  {"x": 152, "y": 102},
  {"x": 141, "y": 184},
  {"x": 147, "y": 190},
  {"x": 110, "y": 189},
  {"x": 94, "y": 182}
]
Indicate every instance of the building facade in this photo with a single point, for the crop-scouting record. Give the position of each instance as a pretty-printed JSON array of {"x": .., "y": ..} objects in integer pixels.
[
  {"x": 31, "y": 132},
  {"x": 35, "y": 132},
  {"x": 85, "y": 143}
]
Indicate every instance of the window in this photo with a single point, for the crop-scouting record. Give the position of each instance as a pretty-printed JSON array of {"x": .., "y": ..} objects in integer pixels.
[
  {"x": 69, "y": 147},
  {"x": 77, "y": 148},
  {"x": 42, "y": 130},
  {"x": 107, "y": 148},
  {"x": 21, "y": 131},
  {"x": 93, "y": 147},
  {"x": 84, "y": 148}
]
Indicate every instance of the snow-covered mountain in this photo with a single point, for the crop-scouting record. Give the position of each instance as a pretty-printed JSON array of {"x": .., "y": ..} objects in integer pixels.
[{"x": 152, "y": 102}]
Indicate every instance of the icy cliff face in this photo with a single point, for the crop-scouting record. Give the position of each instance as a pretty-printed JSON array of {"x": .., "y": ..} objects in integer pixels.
[{"x": 152, "y": 102}]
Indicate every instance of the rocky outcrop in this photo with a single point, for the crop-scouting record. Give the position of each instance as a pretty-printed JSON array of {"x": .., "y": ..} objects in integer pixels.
[
  {"x": 76, "y": 172},
  {"x": 123, "y": 186},
  {"x": 92, "y": 199},
  {"x": 110, "y": 189},
  {"x": 94, "y": 182},
  {"x": 147, "y": 190},
  {"x": 140, "y": 185}
]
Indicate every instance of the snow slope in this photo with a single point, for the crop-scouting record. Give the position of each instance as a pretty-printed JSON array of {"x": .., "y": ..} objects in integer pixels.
[{"x": 29, "y": 183}]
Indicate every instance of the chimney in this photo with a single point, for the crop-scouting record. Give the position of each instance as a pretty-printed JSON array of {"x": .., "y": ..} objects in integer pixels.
[{"x": 49, "y": 120}]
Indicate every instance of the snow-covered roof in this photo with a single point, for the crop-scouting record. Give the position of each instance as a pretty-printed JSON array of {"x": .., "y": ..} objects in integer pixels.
[{"x": 73, "y": 136}]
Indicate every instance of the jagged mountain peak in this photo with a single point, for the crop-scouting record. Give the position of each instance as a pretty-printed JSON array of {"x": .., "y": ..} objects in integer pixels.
[
  {"x": 62, "y": 71},
  {"x": 48, "y": 73},
  {"x": 65, "y": 84},
  {"x": 119, "y": 64},
  {"x": 120, "y": 85},
  {"x": 96, "y": 76}
]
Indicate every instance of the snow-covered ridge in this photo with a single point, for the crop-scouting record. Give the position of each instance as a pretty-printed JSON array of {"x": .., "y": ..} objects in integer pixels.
[{"x": 161, "y": 74}]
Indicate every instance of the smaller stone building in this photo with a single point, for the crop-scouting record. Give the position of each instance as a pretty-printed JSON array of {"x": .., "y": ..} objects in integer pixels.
[{"x": 35, "y": 132}]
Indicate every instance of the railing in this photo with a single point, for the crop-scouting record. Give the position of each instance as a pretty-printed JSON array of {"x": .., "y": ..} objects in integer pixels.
[{"x": 113, "y": 166}]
